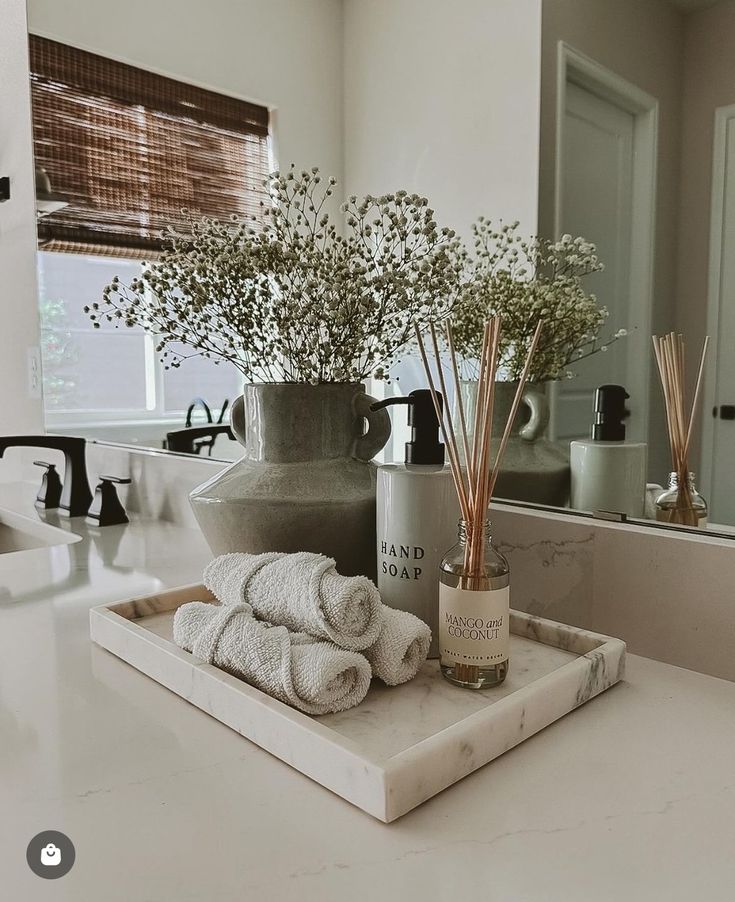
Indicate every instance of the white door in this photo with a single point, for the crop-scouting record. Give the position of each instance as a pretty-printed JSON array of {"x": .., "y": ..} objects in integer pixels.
[
  {"x": 596, "y": 201},
  {"x": 718, "y": 455}
]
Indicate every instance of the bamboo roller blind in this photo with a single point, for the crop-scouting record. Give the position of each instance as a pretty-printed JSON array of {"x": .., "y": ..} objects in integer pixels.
[{"x": 130, "y": 149}]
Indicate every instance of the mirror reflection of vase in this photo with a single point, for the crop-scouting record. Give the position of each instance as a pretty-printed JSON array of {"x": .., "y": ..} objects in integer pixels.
[
  {"x": 306, "y": 482},
  {"x": 534, "y": 469}
]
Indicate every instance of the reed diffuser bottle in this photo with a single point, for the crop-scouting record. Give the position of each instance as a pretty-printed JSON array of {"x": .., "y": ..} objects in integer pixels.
[
  {"x": 474, "y": 612},
  {"x": 682, "y": 503},
  {"x": 474, "y": 578}
]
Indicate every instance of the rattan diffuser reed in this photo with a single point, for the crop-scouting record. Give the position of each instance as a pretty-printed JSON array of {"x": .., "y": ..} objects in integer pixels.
[
  {"x": 669, "y": 350},
  {"x": 475, "y": 482}
]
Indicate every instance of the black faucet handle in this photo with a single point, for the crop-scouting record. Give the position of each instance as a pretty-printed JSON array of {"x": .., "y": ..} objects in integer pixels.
[
  {"x": 49, "y": 494},
  {"x": 44, "y": 463},
  {"x": 106, "y": 508},
  {"x": 76, "y": 495}
]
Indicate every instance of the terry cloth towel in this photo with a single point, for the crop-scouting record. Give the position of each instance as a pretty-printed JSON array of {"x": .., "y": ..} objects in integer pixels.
[
  {"x": 302, "y": 591},
  {"x": 312, "y": 675},
  {"x": 401, "y": 648}
]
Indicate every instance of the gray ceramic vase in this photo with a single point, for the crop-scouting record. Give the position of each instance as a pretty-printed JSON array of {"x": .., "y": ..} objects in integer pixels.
[
  {"x": 306, "y": 482},
  {"x": 534, "y": 469}
]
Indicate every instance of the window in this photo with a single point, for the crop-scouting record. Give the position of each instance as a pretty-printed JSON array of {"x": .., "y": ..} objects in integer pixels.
[
  {"x": 111, "y": 375},
  {"x": 129, "y": 150}
]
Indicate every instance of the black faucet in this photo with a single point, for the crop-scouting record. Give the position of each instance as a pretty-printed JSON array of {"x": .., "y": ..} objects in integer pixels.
[
  {"x": 198, "y": 402},
  {"x": 194, "y": 439},
  {"x": 76, "y": 495}
]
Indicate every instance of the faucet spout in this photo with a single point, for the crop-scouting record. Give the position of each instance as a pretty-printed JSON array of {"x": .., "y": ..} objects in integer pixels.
[{"x": 76, "y": 496}]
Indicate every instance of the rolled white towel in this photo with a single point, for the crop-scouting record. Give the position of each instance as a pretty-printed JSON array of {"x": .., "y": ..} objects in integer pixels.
[
  {"x": 310, "y": 674},
  {"x": 302, "y": 591},
  {"x": 401, "y": 647}
]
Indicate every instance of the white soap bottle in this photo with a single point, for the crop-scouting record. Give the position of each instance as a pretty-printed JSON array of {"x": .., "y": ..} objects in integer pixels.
[
  {"x": 417, "y": 514},
  {"x": 608, "y": 473}
]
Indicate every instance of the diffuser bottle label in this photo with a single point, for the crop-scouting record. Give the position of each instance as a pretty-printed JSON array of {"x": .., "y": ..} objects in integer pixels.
[{"x": 474, "y": 627}]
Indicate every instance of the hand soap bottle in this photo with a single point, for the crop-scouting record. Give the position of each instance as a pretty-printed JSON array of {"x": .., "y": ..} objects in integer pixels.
[
  {"x": 417, "y": 513},
  {"x": 608, "y": 473}
]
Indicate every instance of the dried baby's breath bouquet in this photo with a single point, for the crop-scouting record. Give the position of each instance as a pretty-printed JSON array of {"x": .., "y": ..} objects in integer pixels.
[
  {"x": 526, "y": 281},
  {"x": 298, "y": 299}
]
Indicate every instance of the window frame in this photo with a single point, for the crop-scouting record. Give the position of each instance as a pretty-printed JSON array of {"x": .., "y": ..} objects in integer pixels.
[{"x": 66, "y": 418}]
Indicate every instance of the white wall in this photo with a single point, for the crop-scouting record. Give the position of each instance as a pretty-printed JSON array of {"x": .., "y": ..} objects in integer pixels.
[
  {"x": 709, "y": 82},
  {"x": 642, "y": 41},
  {"x": 18, "y": 306},
  {"x": 442, "y": 98}
]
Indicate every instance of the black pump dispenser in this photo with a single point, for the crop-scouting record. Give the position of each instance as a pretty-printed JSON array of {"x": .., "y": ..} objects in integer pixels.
[
  {"x": 610, "y": 412},
  {"x": 424, "y": 449}
]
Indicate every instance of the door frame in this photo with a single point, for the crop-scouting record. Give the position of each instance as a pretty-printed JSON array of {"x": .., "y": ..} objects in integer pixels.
[
  {"x": 577, "y": 68},
  {"x": 723, "y": 115}
]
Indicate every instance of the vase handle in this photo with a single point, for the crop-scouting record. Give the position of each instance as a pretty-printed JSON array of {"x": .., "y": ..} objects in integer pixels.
[
  {"x": 539, "y": 420},
  {"x": 237, "y": 419},
  {"x": 378, "y": 431}
]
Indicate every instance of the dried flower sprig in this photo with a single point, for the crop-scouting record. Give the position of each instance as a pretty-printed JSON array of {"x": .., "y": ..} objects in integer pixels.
[
  {"x": 524, "y": 280},
  {"x": 298, "y": 299}
]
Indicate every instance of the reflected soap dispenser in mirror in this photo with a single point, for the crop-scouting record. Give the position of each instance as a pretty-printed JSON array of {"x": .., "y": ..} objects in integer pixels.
[
  {"x": 417, "y": 513},
  {"x": 608, "y": 473}
]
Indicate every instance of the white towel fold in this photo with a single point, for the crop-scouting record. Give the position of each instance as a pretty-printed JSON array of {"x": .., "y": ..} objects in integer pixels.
[
  {"x": 401, "y": 647},
  {"x": 311, "y": 674},
  {"x": 301, "y": 591}
]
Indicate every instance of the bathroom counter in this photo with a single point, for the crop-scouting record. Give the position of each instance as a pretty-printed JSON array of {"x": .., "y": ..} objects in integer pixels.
[{"x": 630, "y": 796}]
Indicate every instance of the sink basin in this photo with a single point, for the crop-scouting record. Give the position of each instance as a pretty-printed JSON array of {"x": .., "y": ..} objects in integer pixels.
[{"x": 19, "y": 533}]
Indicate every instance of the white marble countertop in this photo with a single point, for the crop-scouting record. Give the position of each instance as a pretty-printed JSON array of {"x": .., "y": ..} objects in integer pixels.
[{"x": 631, "y": 796}]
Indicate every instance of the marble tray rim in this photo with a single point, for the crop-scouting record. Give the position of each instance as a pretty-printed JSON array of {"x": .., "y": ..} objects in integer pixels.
[{"x": 376, "y": 780}]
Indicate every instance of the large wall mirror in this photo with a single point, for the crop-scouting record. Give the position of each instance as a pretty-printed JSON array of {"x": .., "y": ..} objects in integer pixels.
[{"x": 624, "y": 122}]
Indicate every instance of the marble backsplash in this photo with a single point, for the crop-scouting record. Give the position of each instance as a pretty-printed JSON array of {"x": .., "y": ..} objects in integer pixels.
[
  {"x": 669, "y": 597},
  {"x": 160, "y": 485}
]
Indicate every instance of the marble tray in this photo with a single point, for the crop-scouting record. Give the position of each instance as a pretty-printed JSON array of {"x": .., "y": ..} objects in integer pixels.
[{"x": 402, "y": 745}]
